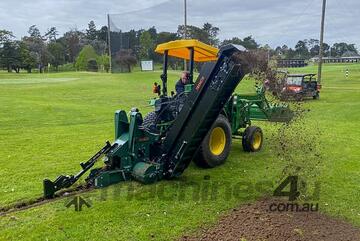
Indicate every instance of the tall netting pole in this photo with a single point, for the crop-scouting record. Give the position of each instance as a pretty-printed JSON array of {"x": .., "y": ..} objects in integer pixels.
[
  {"x": 321, "y": 41},
  {"x": 109, "y": 46}
]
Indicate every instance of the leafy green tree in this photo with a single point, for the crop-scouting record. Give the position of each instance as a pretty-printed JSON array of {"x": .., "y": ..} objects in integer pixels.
[
  {"x": 98, "y": 45},
  {"x": 102, "y": 33},
  {"x": 310, "y": 43},
  {"x": 96, "y": 38},
  {"x": 211, "y": 33},
  {"x": 10, "y": 56},
  {"x": 313, "y": 46},
  {"x": 86, "y": 54},
  {"x": 247, "y": 42},
  {"x": 291, "y": 54},
  {"x": 37, "y": 50},
  {"x": 91, "y": 32},
  {"x": 134, "y": 41},
  {"x": 34, "y": 32},
  {"x": 5, "y": 36},
  {"x": 51, "y": 34},
  {"x": 153, "y": 33},
  {"x": 191, "y": 32},
  {"x": 284, "y": 48},
  {"x": 73, "y": 41},
  {"x": 301, "y": 49},
  {"x": 7, "y": 49},
  {"x": 284, "y": 52},
  {"x": 339, "y": 49},
  {"x": 57, "y": 54},
  {"x": 314, "y": 51},
  {"x": 146, "y": 45},
  {"x": 206, "y": 34},
  {"x": 326, "y": 49},
  {"x": 164, "y": 37},
  {"x": 125, "y": 59},
  {"x": 37, "y": 47},
  {"x": 28, "y": 59},
  {"x": 234, "y": 40},
  {"x": 104, "y": 62}
]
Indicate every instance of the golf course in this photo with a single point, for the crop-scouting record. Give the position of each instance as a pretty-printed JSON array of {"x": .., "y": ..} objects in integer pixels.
[{"x": 51, "y": 122}]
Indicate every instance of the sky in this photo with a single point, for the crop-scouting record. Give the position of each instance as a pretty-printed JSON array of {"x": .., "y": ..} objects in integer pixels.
[{"x": 273, "y": 22}]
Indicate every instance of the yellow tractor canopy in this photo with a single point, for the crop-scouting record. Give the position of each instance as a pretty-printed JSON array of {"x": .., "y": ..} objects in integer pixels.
[{"x": 180, "y": 49}]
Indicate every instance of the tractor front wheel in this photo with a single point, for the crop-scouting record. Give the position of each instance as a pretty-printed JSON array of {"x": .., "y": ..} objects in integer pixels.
[
  {"x": 216, "y": 146},
  {"x": 252, "y": 139}
]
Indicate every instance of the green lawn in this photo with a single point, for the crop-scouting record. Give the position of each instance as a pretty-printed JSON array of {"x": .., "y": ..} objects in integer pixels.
[{"x": 50, "y": 123}]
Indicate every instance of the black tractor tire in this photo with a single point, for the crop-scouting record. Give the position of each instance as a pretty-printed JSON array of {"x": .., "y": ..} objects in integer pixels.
[
  {"x": 149, "y": 122},
  {"x": 215, "y": 148},
  {"x": 252, "y": 139}
]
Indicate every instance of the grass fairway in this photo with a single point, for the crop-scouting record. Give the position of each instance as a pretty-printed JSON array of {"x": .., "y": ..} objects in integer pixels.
[{"x": 50, "y": 123}]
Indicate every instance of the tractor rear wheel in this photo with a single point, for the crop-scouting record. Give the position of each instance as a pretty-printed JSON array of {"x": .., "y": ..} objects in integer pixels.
[
  {"x": 252, "y": 139},
  {"x": 216, "y": 146}
]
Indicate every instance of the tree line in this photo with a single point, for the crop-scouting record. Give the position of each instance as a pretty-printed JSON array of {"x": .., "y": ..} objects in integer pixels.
[
  {"x": 88, "y": 49},
  {"x": 37, "y": 50}
]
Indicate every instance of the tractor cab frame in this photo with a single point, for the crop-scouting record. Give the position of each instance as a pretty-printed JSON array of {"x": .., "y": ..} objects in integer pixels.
[{"x": 187, "y": 49}]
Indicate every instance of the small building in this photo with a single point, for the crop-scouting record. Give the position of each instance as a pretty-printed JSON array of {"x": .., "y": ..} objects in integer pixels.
[
  {"x": 351, "y": 59},
  {"x": 291, "y": 63}
]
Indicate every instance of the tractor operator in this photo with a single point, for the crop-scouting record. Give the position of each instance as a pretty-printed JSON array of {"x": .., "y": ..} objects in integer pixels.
[{"x": 184, "y": 80}]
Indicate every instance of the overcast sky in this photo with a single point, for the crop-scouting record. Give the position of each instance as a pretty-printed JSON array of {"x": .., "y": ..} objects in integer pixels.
[{"x": 275, "y": 22}]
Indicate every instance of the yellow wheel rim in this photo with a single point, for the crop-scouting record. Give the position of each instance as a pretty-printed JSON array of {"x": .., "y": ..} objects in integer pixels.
[
  {"x": 217, "y": 141},
  {"x": 257, "y": 140}
]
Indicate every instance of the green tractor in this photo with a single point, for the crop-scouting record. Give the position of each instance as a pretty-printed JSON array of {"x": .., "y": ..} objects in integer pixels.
[
  {"x": 197, "y": 125},
  {"x": 234, "y": 120}
]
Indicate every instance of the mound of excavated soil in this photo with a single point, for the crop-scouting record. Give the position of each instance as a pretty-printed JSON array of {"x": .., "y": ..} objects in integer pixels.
[{"x": 256, "y": 222}]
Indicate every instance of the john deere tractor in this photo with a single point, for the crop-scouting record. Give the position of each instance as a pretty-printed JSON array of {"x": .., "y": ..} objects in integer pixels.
[{"x": 197, "y": 125}]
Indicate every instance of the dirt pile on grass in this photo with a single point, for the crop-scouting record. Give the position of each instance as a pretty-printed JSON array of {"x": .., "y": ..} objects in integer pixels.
[{"x": 256, "y": 222}]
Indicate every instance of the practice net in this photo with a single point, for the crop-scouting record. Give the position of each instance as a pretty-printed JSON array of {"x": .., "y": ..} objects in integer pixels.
[{"x": 133, "y": 36}]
